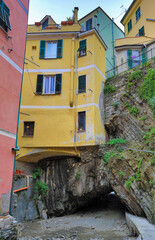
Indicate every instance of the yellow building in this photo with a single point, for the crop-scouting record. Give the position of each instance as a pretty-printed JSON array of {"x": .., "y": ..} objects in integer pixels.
[
  {"x": 139, "y": 42},
  {"x": 62, "y": 98}
]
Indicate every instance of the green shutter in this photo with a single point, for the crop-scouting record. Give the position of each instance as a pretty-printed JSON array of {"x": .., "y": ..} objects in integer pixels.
[
  {"x": 42, "y": 49},
  {"x": 82, "y": 84},
  {"x": 59, "y": 48},
  {"x": 129, "y": 54},
  {"x": 39, "y": 84},
  {"x": 144, "y": 55},
  {"x": 58, "y": 83},
  {"x": 129, "y": 25}
]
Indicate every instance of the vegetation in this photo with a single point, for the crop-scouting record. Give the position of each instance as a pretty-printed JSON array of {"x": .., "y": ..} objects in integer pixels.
[
  {"x": 109, "y": 88},
  {"x": 78, "y": 175},
  {"x": 147, "y": 89},
  {"x": 134, "y": 77},
  {"x": 133, "y": 110},
  {"x": 115, "y": 105},
  {"x": 40, "y": 188},
  {"x": 115, "y": 141}
]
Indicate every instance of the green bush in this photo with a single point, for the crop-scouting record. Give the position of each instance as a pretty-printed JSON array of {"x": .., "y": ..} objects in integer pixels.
[{"x": 109, "y": 88}]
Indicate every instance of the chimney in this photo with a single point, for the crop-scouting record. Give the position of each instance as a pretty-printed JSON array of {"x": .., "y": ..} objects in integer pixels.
[{"x": 75, "y": 16}]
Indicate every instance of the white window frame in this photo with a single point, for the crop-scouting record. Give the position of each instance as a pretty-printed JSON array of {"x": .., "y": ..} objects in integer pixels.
[
  {"x": 55, "y": 53},
  {"x": 49, "y": 87}
]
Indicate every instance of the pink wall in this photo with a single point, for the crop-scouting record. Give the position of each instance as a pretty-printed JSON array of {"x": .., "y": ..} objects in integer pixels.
[{"x": 11, "y": 66}]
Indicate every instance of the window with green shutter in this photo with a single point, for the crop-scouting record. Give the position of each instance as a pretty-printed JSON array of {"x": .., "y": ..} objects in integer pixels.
[
  {"x": 48, "y": 84},
  {"x": 138, "y": 14},
  {"x": 129, "y": 55},
  {"x": 144, "y": 55},
  {"x": 4, "y": 16},
  {"x": 82, "y": 84},
  {"x": 51, "y": 49},
  {"x": 129, "y": 25},
  {"x": 82, "y": 48},
  {"x": 141, "y": 31}
]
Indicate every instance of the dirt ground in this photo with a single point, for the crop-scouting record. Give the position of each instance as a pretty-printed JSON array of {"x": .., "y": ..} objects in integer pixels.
[{"x": 98, "y": 222}]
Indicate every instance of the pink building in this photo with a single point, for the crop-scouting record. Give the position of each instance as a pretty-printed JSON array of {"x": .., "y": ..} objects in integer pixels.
[{"x": 13, "y": 26}]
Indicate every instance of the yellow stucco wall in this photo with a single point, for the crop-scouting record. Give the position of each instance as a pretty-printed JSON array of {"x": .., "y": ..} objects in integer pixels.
[
  {"x": 147, "y": 12},
  {"x": 55, "y": 119}
]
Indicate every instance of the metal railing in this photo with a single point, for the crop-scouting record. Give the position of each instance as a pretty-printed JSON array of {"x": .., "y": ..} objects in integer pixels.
[{"x": 131, "y": 62}]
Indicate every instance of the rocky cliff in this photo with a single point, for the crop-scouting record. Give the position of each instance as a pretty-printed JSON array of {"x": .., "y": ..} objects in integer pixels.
[{"x": 129, "y": 110}]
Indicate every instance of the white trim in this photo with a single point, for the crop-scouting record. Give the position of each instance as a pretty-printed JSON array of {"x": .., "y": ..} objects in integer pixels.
[
  {"x": 64, "y": 70},
  {"x": 7, "y": 134},
  {"x": 85, "y": 68},
  {"x": 47, "y": 70},
  {"x": 100, "y": 72},
  {"x": 11, "y": 62},
  {"x": 58, "y": 107}
]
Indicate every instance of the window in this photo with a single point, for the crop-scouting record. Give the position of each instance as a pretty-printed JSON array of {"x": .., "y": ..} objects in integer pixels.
[
  {"x": 129, "y": 55},
  {"x": 82, "y": 48},
  {"x": 82, "y": 84},
  {"x": 129, "y": 25},
  {"x": 141, "y": 32},
  {"x": 138, "y": 14},
  {"x": 51, "y": 49},
  {"x": 4, "y": 16},
  {"x": 81, "y": 121},
  {"x": 29, "y": 129},
  {"x": 89, "y": 24},
  {"x": 48, "y": 84},
  {"x": 45, "y": 24}
]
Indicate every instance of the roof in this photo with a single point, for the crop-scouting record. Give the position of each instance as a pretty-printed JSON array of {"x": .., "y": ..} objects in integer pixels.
[
  {"x": 131, "y": 5},
  {"x": 97, "y": 9},
  {"x": 45, "y": 18}
]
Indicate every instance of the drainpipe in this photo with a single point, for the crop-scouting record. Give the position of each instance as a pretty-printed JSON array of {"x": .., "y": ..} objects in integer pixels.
[
  {"x": 113, "y": 45},
  {"x": 25, "y": 188},
  {"x": 72, "y": 74},
  {"x": 16, "y": 147}
]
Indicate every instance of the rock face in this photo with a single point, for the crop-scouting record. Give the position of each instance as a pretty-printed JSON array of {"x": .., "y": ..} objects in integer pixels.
[
  {"x": 132, "y": 172},
  {"x": 128, "y": 169},
  {"x": 74, "y": 182}
]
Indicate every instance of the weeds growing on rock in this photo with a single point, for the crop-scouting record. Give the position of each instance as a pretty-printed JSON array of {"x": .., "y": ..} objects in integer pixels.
[{"x": 109, "y": 88}]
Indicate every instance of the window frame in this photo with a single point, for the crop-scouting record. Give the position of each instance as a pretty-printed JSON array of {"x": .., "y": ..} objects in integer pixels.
[
  {"x": 4, "y": 17},
  {"x": 24, "y": 132},
  {"x": 129, "y": 25},
  {"x": 79, "y": 127},
  {"x": 43, "y": 49},
  {"x": 84, "y": 89},
  {"x": 138, "y": 14},
  {"x": 55, "y": 50},
  {"x": 40, "y": 84},
  {"x": 81, "y": 51},
  {"x": 43, "y": 89}
]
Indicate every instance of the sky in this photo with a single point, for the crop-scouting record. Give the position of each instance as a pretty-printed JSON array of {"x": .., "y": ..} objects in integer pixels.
[{"x": 61, "y": 9}]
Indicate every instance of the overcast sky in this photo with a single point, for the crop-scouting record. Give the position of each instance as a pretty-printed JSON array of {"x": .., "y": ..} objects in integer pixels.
[{"x": 61, "y": 9}]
